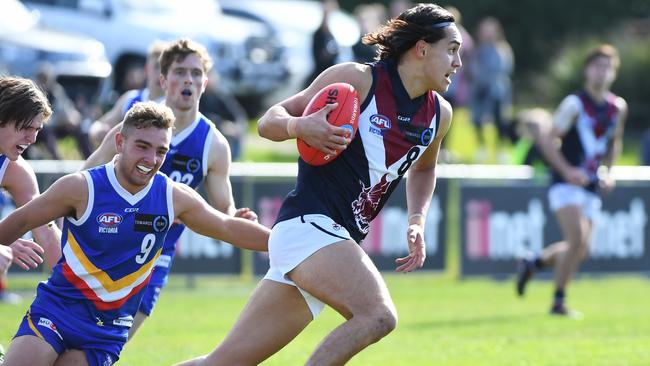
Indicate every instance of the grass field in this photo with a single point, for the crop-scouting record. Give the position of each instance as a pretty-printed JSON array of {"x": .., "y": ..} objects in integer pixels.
[{"x": 442, "y": 322}]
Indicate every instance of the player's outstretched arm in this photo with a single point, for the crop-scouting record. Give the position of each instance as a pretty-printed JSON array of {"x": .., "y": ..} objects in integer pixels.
[
  {"x": 67, "y": 196},
  {"x": 20, "y": 182},
  {"x": 193, "y": 211},
  {"x": 106, "y": 150}
]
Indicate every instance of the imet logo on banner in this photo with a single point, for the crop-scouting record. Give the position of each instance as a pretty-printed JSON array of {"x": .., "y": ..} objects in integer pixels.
[
  {"x": 506, "y": 235},
  {"x": 501, "y": 235},
  {"x": 620, "y": 234}
]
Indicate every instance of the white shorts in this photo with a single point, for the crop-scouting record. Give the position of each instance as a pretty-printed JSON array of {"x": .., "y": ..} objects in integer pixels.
[
  {"x": 294, "y": 240},
  {"x": 563, "y": 194}
]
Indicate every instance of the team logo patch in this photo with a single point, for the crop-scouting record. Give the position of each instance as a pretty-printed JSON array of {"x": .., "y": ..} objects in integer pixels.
[
  {"x": 418, "y": 135},
  {"x": 186, "y": 164},
  {"x": 123, "y": 321},
  {"x": 47, "y": 323},
  {"x": 426, "y": 136},
  {"x": 108, "y": 222},
  {"x": 379, "y": 123},
  {"x": 150, "y": 223}
]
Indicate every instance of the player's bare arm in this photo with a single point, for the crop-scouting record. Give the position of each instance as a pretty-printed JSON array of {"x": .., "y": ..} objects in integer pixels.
[
  {"x": 106, "y": 150},
  {"x": 21, "y": 183},
  {"x": 616, "y": 147},
  {"x": 284, "y": 120},
  {"x": 66, "y": 197},
  {"x": 217, "y": 181},
  {"x": 420, "y": 185},
  {"x": 105, "y": 123},
  {"x": 606, "y": 181},
  {"x": 193, "y": 211},
  {"x": 564, "y": 118}
]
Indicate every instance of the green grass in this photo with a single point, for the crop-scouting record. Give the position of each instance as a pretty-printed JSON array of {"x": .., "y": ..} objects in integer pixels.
[{"x": 442, "y": 322}]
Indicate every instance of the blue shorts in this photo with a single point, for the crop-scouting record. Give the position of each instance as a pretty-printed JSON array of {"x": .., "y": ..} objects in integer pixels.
[{"x": 70, "y": 324}]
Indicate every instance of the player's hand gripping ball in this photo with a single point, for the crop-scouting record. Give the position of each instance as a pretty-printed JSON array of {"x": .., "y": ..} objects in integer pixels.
[{"x": 345, "y": 115}]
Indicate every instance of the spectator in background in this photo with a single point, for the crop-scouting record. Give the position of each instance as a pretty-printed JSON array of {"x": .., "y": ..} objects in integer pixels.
[
  {"x": 324, "y": 48},
  {"x": 153, "y": 91},
  {"x": 458, "y": 92},
  {"x": 589, "y": 125},
  {"x": 370, "y": 18},
  {"x": 645, "y": 148},
  {"x": 491, "y": 93},
  {"x": 226, "y": 113},
  {"x": 528, "y": 126},
  {"x": 66, "y": 120},
  {"x": 397, "y": 7}
]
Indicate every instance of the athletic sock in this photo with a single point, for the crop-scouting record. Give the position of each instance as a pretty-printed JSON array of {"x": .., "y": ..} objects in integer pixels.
[{"x": 558, "y": 298}]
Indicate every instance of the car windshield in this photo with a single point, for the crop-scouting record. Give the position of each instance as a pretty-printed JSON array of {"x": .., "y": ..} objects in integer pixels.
[
  {"x": 14, "y": 17},
  {"x": 164, "y": 6}
]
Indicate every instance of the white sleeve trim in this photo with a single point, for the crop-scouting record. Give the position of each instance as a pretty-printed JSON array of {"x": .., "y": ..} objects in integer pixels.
[
  {"x": 170, "y": 200},
  {"x": 91, "y": 201},
  {"x": 3, "y": 168},
  {"x": 206, "y": 149}
]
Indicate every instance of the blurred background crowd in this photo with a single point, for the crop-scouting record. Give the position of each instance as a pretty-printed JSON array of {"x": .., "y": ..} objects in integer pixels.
[{"x": 520, "y": 58}]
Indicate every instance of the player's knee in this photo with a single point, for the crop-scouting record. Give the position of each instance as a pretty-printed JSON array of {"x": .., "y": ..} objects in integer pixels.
[
  {"x": 382, "y": 322},
  {"x": 583, "y": 251}
]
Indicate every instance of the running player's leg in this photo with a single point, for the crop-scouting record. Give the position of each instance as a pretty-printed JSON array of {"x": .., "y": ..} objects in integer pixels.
[
  {"x": 552, "y": 254},
  {"x": 576, "y": 229},
  {"x": 149, "y": 300},
  {"x": 30, "y": 350},
  {"x": 139, "y": 318},
  {"x": 274, "y": 315},
  {"x": 73, "y": 357},
  {"x": 343, "y": 276}
]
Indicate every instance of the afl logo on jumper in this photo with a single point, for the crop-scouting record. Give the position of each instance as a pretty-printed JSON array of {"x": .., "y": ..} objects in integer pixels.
[
  {"x": 108, "y": 222},
  {"x": 379, "y": 123},
  {"x": 150, "y": 223},
  {"x": 186, "y": 164}
]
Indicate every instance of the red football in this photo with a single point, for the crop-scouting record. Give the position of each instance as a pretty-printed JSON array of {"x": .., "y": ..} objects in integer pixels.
[{"x": 345, "y": 115}]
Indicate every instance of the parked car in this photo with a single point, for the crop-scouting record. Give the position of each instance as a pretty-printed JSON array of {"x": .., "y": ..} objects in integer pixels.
[
  {"x": 294, "y": 22},
  {"x": 78, "y": 62},
  {"x": 249, "y": 61}
]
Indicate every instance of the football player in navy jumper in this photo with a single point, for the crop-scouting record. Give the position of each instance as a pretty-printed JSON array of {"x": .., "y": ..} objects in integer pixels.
[{"x": 315, "y": 258}]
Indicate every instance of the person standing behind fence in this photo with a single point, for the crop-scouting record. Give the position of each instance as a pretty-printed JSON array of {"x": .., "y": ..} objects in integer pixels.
[
  {"x": 589, "y": 124},
  {"x": 458, "y": 92},
  {"x": 491, "y": 65},
  {"x": 324, "y": 48}
]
